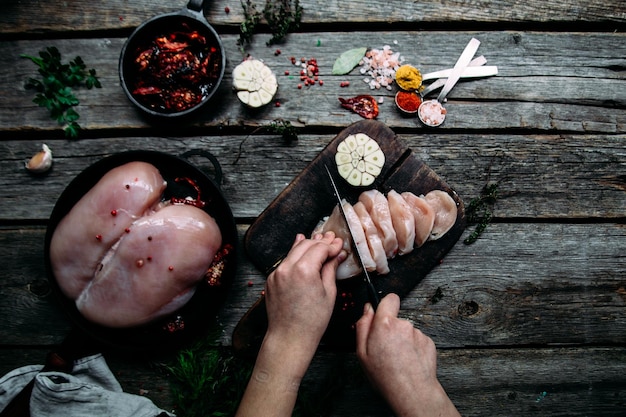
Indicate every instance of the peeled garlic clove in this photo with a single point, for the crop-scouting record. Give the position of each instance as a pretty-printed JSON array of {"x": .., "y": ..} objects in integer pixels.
[
  {"x": 254, "y": 82},
  {"x": 359, "y": 159},
  {"x": 41, "y": 161}
]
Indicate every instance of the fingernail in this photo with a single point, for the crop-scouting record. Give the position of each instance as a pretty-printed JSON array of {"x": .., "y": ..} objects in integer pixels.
[
  {"x": 368, "y": 308},
  {"x": 342, "y": 256},
  {"x": 317, "y": 236}
]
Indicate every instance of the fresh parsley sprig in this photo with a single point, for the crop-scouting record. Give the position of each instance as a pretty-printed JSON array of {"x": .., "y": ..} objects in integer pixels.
[{"x": 54, "y": 89}]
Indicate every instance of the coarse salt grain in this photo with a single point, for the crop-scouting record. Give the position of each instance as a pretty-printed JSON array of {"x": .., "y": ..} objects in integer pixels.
[
  {"x": 381, "y": 66},
  {"x": 432, "y": 113}
]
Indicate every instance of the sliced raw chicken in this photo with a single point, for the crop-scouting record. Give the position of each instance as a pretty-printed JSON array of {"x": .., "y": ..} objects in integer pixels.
[
  {"x": 98, "y": 220},
  {"x": 374, "y": 242},
  {"x": 378, "y": 209},
  {"x": 403, "y": 222},
  {"x": 445, "y": 212},
  {"x": 423, "y": 214},
  {"x": 336, "y": 223},
  {"x": 153, "y": 269}
]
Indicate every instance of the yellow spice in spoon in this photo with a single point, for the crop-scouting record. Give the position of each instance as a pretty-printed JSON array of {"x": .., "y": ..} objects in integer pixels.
[{"x": 408, "y": 77}]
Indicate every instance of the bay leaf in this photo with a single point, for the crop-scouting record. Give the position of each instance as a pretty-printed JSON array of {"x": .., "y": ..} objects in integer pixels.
[{"x": 348, "y": 60}]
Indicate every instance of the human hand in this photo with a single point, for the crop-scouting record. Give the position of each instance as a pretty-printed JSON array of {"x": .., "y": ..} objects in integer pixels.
[
  {"x": 401, "y": 362},
  {"x": 300, "y": 293}
]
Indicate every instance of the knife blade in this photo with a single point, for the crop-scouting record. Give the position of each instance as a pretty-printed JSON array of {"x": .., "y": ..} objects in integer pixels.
[{"x": 373, "y": 296}]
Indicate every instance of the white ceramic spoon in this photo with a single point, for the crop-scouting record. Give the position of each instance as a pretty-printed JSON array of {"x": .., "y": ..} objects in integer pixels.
[{"x": 431, "y": 112}]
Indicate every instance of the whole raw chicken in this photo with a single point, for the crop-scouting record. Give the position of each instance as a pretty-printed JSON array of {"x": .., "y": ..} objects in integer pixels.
[{"x": 126, "y": 257}]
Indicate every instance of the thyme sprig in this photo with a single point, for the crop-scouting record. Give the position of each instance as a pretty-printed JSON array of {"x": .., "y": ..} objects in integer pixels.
[
  {"x": 54, "y": 90},
  {"x": 284, "y": 128},
  {"x": 479, "y": 211},
  {"x": 282, "y": 17}
]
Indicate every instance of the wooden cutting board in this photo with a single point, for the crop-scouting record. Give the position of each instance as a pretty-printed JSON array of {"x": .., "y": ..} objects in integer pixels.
[{"x": 309, "y": 198}]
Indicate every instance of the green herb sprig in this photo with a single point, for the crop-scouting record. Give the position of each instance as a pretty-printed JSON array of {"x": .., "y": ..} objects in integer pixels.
[
  {"x": 284, "y": 128},
  {"x": 54, "y": 90},
  {"x": 480, "y": 211},
  {"x": 282, "y": 17}
]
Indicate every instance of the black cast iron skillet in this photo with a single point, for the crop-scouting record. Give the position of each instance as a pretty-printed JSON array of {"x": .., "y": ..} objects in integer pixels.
[
  {"x": 188, "y": 19},
  {"x": 181, "y": 326},
  {"x": 171, "y": 332}
]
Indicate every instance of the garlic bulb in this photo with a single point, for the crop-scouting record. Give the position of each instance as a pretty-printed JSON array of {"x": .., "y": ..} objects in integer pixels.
[
  {"x": 41, "y": 161},
  {"x": 359, "y": 159},
  {"x": 255, "y": 83}
]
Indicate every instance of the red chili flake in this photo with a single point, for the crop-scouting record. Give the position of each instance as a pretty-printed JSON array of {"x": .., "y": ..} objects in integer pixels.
[
  {"x": 127, "y": 186},
  {"x": 250, "y": 283},
  {"x": 170, "y": 268},
  {"x": 121, "y": 18},
  {"x": 150, "y": 238},
  {"x": 139, "y": 263},
  {"x": 149, "y": 258},
  {"x": 303, "y": 60},
  {"x": 344, "y": 84},
  {"x": 277, "y": 104},
  {"x": 321, "y": 82},
  {"x": 227, "y": 9},
  {"x": 343, "y": 295},
  {"x": 293, "y": 60},
  {"x": 300, "y": 86},
  {"x": 127, "y": 230},
  {"x": 98, "y": 237},
  {"x": 263, "y": 292},
  {"x": 113, "y": 213},
  {"x": 363, "y": 105},
  {"x": 277, "y": 52},
  {"x": 286, "y": 72}
]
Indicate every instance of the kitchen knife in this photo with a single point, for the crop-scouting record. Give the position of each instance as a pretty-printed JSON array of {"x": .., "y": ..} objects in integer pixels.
[{"x": 374, "y": 298}]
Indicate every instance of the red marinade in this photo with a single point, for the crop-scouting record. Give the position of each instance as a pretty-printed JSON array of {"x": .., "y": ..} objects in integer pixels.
[{"x": 175, "y": 71}]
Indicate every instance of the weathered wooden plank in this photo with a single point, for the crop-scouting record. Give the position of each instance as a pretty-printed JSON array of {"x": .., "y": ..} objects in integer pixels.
[
  {"x": 16, "y": 16},
  {"x": 506, "y": 289},
  {"x": 583, "y": 92},
  {"x": 548, "y": 381},
  {"x": 549, "y": 177}
]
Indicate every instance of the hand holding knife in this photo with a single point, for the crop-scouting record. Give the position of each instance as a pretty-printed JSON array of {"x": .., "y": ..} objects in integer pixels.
[{"x": 373, "y": 295}]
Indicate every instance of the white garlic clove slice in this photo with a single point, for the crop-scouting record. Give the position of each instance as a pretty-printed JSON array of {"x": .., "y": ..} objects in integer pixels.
[
  {"x": 255, "y": 83},
  {"x": 359, "y": 159}
]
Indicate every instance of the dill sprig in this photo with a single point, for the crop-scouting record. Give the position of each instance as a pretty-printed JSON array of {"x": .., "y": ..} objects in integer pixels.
[
  {"x": 479, "y": 211},
  {"x": 208, "y": 380}
]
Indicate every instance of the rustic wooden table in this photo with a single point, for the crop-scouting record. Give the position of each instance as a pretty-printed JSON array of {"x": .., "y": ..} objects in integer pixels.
[{"x": 531, "y": 318}]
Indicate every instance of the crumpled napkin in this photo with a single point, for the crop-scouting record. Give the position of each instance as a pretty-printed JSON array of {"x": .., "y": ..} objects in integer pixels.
[{"x": 91, "y": 390}]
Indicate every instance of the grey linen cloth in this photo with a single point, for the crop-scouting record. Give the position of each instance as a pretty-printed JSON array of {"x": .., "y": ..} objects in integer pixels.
[{"x": 91, "y": 390}]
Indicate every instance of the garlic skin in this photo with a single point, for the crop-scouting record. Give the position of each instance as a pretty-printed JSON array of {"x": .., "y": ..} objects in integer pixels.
[
  {"x": 254, "y": 82},
  {"x": 359, "y": 159},
  {"x": 41, "y": 161}
]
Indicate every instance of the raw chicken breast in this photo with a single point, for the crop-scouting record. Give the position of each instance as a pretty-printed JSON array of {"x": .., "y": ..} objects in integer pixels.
[
  {"x": 378, "y": 209},
  {"x": 335, "y": 222},
  {"x": 403, "y": 222},
  {"x": 375, "y": 244},
  {"x": 445, "y": 212},
  {"x": 98, "y": 220},
  {"x": 153, "y": 269},
  {"x": 423, "y": 214}
]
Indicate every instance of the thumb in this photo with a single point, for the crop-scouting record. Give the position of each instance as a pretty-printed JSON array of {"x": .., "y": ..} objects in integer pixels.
[{"x": 363, "y": 327}]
